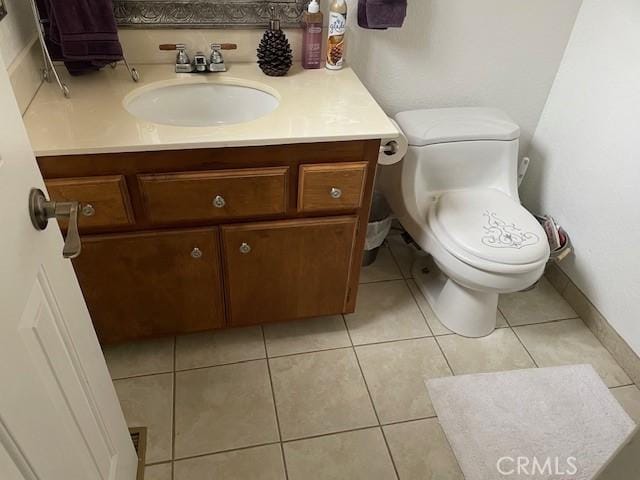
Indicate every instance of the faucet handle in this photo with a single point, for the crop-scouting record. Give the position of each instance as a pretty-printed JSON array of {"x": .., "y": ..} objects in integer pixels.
[
  {"x": 224, "y": 46},
  {"x": 172, "y": 46}
]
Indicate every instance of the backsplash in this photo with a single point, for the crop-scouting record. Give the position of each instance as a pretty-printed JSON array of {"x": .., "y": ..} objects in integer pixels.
[{"x": 141, "y": 45}]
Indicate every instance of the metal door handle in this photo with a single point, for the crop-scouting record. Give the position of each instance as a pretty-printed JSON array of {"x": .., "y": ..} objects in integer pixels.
[{"x": 41, "y": 210}]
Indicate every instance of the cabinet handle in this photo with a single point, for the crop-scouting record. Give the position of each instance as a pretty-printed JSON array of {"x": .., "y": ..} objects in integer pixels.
[
  {"x": 196, "y": 253},
  {"x": 336, "y": 193},
  {"x": 245, "y": 248},
  {"x": 219, "y": 201},
  {"x": 88, "y": 210}
]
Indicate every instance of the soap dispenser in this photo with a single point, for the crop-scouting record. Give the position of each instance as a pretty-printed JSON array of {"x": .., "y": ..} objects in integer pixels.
[{"x": 312, "y": 36}]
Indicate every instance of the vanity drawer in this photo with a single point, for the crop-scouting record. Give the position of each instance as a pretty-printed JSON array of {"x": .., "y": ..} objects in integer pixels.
[
  {"x": 331, "y": 187},
  {"x": 104, "y": 200},
  {"x": 215, "y": 195}
]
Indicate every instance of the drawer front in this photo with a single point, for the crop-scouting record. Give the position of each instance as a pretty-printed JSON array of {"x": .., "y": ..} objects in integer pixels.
[
  {"x": 331, "y": 187},
  {"x": 104, "y": 200},
  {"x": 215, "y": 195}
]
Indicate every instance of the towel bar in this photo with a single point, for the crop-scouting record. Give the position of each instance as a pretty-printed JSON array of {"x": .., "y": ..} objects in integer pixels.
[{"x": 49, "y": 72}]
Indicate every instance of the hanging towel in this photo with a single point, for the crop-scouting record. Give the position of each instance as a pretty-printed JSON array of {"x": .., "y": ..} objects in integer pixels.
[
  {"x": 82, "y": 33},
  {"x": 381, "y": 14}
]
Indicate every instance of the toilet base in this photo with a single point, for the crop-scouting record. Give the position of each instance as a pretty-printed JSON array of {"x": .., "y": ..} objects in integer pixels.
[{"x": 469, "y": 313}]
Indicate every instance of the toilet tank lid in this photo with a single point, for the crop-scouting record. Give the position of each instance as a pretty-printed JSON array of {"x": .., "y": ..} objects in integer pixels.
[{"x": 444, "y": 125}]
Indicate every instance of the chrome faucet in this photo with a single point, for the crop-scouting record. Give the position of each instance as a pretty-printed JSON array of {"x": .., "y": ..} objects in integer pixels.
[{"x": 200, "y": 63}]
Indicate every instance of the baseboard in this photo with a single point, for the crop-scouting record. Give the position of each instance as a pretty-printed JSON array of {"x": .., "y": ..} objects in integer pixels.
[
  {"x": 25, "y": 74},
  {"x": 597, "y": 323}
]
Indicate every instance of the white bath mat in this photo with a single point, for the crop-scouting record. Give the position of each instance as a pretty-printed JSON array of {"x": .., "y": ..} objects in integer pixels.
[{"x": 547, "y": 423}]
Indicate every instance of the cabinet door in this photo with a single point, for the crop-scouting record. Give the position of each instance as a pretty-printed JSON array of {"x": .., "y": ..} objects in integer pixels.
[
  {"x": 152, "y": 284},
  {"x": 289, "y": 269}
]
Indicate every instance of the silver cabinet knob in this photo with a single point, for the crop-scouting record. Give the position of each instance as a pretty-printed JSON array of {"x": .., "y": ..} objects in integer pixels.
[
  {"x": 219, "y": 201},
  {"x": 336, "y": 193},
  {"x": 88, "y": 210},
  {"x": 196, "y": 253},
  {"x": 245, "y": 248}
]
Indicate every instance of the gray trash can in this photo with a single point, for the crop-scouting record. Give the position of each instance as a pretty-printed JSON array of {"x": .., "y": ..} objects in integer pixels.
[{"x": 378, "y": 228}]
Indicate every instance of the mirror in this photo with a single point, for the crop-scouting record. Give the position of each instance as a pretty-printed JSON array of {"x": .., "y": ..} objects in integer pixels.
[
  {"x": 206, "y": 13},
  {"x": 3, "y": 10}
]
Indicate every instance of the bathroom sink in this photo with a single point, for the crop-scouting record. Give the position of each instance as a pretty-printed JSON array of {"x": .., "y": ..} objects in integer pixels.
[{"x": 200, "y": 104}]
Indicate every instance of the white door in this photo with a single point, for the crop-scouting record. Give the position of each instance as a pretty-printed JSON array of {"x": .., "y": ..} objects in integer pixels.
[{"x": 59, "y": 415}]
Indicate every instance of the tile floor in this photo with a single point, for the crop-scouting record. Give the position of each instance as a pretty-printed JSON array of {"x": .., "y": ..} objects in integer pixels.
[{"x": 336, "y": 397}]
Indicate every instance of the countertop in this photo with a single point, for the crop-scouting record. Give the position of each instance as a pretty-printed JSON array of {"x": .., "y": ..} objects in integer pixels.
[{"x": 315, "y": 106}]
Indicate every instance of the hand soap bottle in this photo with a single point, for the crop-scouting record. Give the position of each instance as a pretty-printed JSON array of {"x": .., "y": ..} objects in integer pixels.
[
  {"x": 337, "y": 31},
  {"x": 312, "y": 36}
]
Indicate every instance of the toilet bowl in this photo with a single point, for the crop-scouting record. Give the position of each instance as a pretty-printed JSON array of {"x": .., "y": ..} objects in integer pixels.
[{"x": 456, "y": 194}]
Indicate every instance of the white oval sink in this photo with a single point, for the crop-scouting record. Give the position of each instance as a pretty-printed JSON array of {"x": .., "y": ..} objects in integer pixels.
[{"x": 200, "y": 104}]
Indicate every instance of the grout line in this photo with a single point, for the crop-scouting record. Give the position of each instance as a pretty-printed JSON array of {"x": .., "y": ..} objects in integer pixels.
[
  {"x": 525, "y": 347},
  {"x": 556, "y": 320},
  {"x": 453, "y": 373},
  {"x": 249, "y": 360},
  {"x": 415, "y": 300},
  {"x": 154, "y": 374},
  {"x": 393, "y": 255},
  {"x": 373, "y": 405},
  {"x": 161, "y": 462},
  {"x": 393, "y": 462},
  {"x": 623, "y": 386},
  {"x": 435, "y": 337},
  {"x": 401, "y": 422},
  {"x": 208, "y": 454},
  {"x": 329, "y": 434},
  {"x": 275, "y": 405}
]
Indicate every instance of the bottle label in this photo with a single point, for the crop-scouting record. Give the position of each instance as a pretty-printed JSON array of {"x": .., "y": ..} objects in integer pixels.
[
  {"x": 337, "y": 23},
  {"x": 335, "y": 48}
]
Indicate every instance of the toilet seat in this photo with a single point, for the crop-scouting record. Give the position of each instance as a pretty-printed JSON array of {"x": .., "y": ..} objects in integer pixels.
[{"x": 487, "y": 229}]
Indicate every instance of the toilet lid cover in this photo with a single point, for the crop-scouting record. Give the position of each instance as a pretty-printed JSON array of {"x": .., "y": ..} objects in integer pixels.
[{"x": 490, "y": 225}]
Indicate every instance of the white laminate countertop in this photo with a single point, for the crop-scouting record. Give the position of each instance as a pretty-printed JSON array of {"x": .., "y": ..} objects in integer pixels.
[{"x": 315, "y": 106}]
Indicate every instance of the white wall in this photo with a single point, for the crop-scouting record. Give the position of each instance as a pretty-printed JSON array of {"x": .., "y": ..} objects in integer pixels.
[
  {"x": 501, "y": 53},
  {"x": 17, "y": 29},
  {"x": 586, "y": 159}
]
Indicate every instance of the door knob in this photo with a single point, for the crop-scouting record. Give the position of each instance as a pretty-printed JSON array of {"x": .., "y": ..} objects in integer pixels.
[{"x": 41, "y": 210}]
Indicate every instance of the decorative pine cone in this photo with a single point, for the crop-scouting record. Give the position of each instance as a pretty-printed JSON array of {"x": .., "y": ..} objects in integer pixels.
[{"x": 274, "y": 53}]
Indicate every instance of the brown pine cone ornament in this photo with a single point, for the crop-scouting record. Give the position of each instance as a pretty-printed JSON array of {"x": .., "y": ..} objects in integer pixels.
[{"x": 274, "y": 52}]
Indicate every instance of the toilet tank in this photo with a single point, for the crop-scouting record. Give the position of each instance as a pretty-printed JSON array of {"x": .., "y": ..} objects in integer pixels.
[
  {"x": 461, "y": 148},
  {"x": 450, "y": 149}
]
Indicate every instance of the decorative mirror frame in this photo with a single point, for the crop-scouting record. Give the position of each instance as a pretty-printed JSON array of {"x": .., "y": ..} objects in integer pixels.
[
  {"x": 206, "y": 13},
  {"x": 3, "y": 10}
]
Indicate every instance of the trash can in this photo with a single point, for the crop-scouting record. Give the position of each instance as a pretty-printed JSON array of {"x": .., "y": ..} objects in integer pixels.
[{"x": 378, "y": 228}]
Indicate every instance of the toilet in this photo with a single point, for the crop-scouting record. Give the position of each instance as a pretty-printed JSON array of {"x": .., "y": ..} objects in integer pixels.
[{"x": 456, "y": 193}]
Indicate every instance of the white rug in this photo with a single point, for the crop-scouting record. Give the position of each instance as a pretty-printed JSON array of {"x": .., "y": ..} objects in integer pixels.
[{"x": 547, "y": 423}]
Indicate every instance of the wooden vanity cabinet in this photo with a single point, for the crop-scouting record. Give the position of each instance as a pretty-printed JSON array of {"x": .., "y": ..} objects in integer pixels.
[{"x": 186, "y": 241}]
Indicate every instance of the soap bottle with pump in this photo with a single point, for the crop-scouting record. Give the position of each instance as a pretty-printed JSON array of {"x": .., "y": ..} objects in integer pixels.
[
  {"x": 312, "y": 36},
  {"x": 337, "y": 32}
]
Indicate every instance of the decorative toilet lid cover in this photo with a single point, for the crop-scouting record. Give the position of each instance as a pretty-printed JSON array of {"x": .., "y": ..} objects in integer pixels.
[{"x": 490, "y": 225}]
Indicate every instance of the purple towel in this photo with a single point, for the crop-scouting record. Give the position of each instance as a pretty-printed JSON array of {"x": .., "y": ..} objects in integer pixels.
[
  {"x": 82, "y": 33},
  {"x": 381, "y": 14}
]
